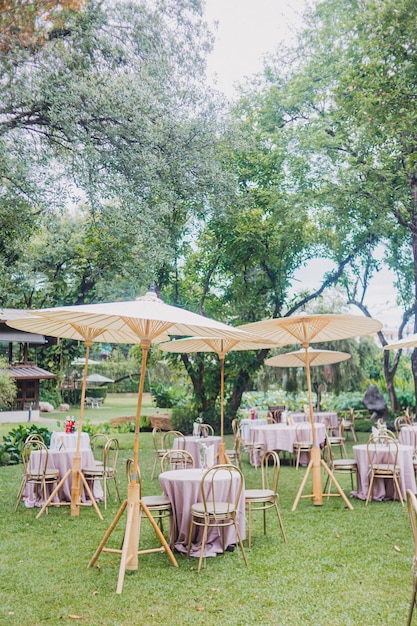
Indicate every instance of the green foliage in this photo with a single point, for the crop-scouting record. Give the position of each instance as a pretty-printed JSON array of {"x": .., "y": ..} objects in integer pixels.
[
  {"x": 11, "y": 447},
  {"x": 168, "y": 396},
  {"x": 8, "y": 387},
  {"x": 182, "y": 418}
]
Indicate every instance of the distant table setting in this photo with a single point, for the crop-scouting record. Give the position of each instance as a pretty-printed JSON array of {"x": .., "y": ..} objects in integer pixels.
[
  {"x": 330, "y": 417},
  {"x": 68, "y": 441},
  {"x": 247, "y": 424},
  {"x": 282, "y": 437},
  {"x": 193, "y": 446},
  {"x": 384, "y": 489},
  {"x": 62, "y": 461},
  {"x": 183, "y": 488}
]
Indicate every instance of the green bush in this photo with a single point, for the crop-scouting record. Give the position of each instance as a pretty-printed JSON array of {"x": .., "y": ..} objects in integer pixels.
[
  {"x": 168, "y": 396},
  {"x": 11, "y": 447}
]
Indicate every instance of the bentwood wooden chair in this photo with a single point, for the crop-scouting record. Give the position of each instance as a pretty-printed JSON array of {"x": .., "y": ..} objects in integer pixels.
[
  {"x": 159, "y": 449},
  {"x": 383, "y": 463},
  {"x": 215, "y": 512},
  {"x": 97, "y": 444},
  {"x": 35, "y": 469},
  {"x": 303, "y": 441},
  {"x": 159, "y": 505},
  {"x": 339, "y": 466},
  {"x": 266, "y": 497},
  {"x": 412, "y": 514},
  {"x": 107, "y": 471},
  {"x": 177, "y": 459}
]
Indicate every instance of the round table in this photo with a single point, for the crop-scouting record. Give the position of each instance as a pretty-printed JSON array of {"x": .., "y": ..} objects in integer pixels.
[
  {"x": 68, "y": 441},
  {"x": 61, "y": 460},
  {"x": 183, "y": 488},
  {"x": 191, "y": 445},
  {"x": 282, "y": 437},
  {"x": 384, "y": 490},
  {"x": 408, "y": 435}
]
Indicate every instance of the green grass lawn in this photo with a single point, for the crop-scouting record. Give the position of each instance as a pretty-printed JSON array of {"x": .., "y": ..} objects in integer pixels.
[{"x": 339, "y": 567}]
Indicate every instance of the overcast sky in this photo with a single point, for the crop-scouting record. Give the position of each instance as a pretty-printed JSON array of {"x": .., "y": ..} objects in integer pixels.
[{"x": 246, "y": 31}]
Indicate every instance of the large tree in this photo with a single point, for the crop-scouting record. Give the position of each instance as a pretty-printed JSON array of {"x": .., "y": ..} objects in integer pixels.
[{"x": 110, "y": 112}]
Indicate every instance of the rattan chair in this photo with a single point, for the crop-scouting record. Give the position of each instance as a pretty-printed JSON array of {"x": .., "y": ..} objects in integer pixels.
[
  {"x": 107, "y": 471},
  {"x": 35, "y": 470},
  {"x": 400, "y": 422},
  {"x": 382, "y": 456},
  {"x": 412, "y": 514},
  {"x": 177, "y": 459},
  {"x": 235, "y": 426},
  {"x": 303, "y": 441},
  {"x": 253, "y": 448},
  {"x": 213, "y": 513},
  {"x": 266, "y": 497},
  {"x": 235, "y": 454}
]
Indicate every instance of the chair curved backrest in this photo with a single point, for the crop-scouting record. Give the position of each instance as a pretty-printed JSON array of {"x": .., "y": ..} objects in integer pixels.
[
  {"x": 169, "y": 438},
  {"x": 235, "y": 426},
  {"x": 210, "y": 490},
  {"x": 157, "y": 438},
  {"x": 129, "y": 472},
  {"x": 97, "y": 444},
  {"x": 110, "y": 456},
  {"x": 400, "y": 422},
  {"x": 35, "y": 437},
  {"x": 177, "y": 459},
  {"x": 270, "y": 468},
  {"x": 38, "y": 464},
  {"x": 206, "y": 430},
  {"x": 382, "y": 452}
]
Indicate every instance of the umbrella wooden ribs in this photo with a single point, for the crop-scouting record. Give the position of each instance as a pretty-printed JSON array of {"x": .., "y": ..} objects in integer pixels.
[
  {"x": 145, "y": 320},
  {"x": 306, "y": 329}
]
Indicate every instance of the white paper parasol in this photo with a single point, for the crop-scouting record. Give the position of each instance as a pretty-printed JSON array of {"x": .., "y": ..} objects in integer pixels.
[{"x": 306, "y": 329}]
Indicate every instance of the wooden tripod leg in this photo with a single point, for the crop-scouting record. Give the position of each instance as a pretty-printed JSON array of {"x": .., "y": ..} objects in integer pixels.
[
  {"x": 107, "y": 534},
  {"x": 336, "y": 484},
  {"x": 159, "y": 534},
  {"x": 90, "y": 493},
  {"x": 303, "y": 483},
  {"x": 55, "y": 491},
  {"x": 125, "y": 549}
]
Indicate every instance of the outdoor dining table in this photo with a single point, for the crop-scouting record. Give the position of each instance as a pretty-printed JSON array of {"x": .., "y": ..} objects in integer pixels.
[
  {"x": 192, "y": 446},
  {"x": 408, "y": 435},
  {"x": 68, "y": 441},
  {"x": 183, "y": 488},
  {"x": 330, "y": 417},
  {"x": 384, "y": 489},
  {"x": 282, "y": 437},
  {"x": 61, "y": 460},
  {"x": 247, "y": 424}
]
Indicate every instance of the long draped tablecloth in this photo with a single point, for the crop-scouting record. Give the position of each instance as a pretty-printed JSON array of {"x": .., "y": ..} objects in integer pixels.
[
  {"x": 60, "y": 460},
  {"x": 183, "y": 488},
  {"x": 247, "y": 424},
  {"x": 323, "y": 417},
  {"x": 408, "y": 435},
  {"x": 192, "y": 446},
  {"x": 384, "y": 489},
  {"x": 282, "y": 437}
]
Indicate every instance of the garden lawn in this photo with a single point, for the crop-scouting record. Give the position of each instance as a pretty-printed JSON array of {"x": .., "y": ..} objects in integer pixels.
[{"x": 339, "y": 567}]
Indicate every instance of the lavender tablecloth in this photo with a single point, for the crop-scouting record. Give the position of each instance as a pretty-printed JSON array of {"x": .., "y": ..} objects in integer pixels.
[
  {"x": 282, "y": 437},
  {"x": 191, "y": 445},
  {"x": 61, "y": 460},
  {"x": 322, "y": 417},
  {"x": 408, "y": 435},
  {"x": 183, "y": 488},
  {"x": 247, "y": 424},
  {"x": 384, "y": 489}
]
